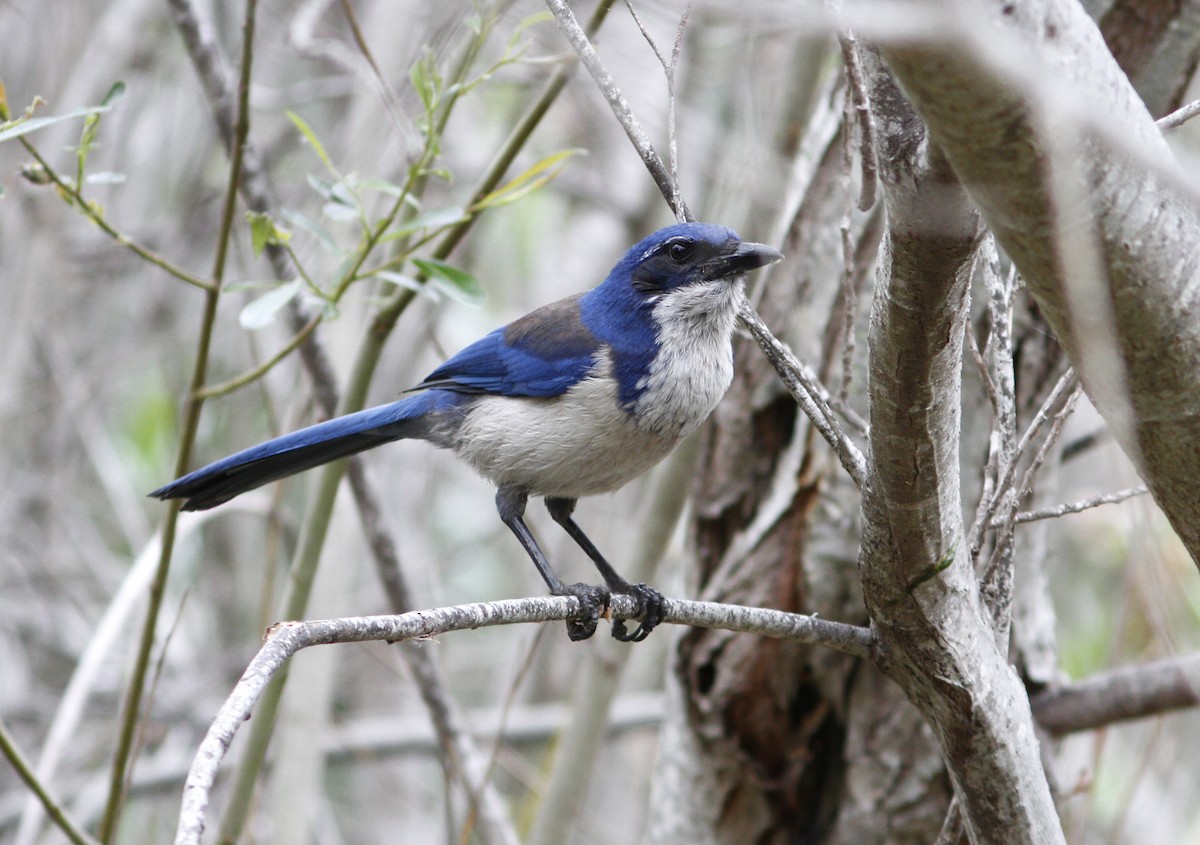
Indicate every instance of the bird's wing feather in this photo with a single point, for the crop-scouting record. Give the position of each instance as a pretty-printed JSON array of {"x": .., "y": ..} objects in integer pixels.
[{"x": 540, "y": 355}]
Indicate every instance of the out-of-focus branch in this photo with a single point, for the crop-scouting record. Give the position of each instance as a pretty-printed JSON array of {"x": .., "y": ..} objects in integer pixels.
[
  {"x": 53, "y": 808},
  {"x": 1131, "y": 692}
]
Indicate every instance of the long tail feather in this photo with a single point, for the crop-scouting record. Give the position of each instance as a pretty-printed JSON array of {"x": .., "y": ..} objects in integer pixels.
[{"x": 219, "y": 482}]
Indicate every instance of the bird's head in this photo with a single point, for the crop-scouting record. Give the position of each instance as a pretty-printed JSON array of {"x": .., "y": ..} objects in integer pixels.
[{"x": 689, "y": 254}]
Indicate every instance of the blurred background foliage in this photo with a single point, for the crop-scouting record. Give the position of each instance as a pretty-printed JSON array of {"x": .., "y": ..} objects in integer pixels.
[{"x": 97, "y": 347}]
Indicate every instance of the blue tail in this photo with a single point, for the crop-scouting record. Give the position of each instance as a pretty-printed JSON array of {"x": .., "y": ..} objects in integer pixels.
[{"x": 219, "y": 482}]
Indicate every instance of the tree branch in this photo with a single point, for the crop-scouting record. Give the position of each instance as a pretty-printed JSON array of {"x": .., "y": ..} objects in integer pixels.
[
  {"x": 808, "y": 392},
  {"x": 937, "y": 639},
  {"x": 619, "y": 105},
  {"x": 287, "y": 638},
  {"x": 1133, "y": 275},
  {"x": 1130, "y": 692}
]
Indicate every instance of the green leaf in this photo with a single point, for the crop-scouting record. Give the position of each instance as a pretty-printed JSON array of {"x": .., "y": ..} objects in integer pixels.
[
  {"x": 91, "y": 128},
  {"x": 343, "y": 203},
  {"x": 106, "y": 177},
  {"x": 528, "y": 181},
  {"x": 401, "y": 280},
  {"x": 321, "y": 185},
  {"x": 23, "y": 126},
  {"x": 389, "y": 188},
  {"x": 339, "y": 211},
  {"x": 435, "y": 219},
  {"x": 426, "y": 81},
  {"x": 262, "y": 311},
  {"x": 303, "y": 221},
  {"x": 456, "y": 283},
  {"x": 263, "y": 231},
  {"x": 313, "y": 140}
]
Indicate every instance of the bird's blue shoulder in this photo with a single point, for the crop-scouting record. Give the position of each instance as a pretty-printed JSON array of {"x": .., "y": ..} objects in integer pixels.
[{"x": 540, "y": 355}]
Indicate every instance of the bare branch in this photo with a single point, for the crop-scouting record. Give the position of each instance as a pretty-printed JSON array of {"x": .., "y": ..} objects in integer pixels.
[
  {"x": 862, "y": 110},
  {"x": 808, "y": 393},
  {"x": 620, "y": 107},
  {"x": 1131, "y": 692},
  {"x": 287, "y": 638},
  {"x": 985, "y": 513},
  {"x": 669, "y": 67},
  {"x": 1077, "y": 507},
  {"x": 1180, "y": 116}
]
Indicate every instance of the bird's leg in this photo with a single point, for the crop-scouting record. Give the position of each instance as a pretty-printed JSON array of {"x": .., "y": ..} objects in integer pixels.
[
  {"x": 651, "y": 603},
  {"x": 510, "y": 503}
]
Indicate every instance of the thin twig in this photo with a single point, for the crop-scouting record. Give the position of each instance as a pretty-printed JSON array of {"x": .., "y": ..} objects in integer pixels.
[
  {"x": 8, "y": 748},
  {"x": 807, "y": 392},
  {"x": 93, "y": 213},
  {"x": 255, "y": 373},
  {"x": 1065, "y": 508},
  {"x": 669, "y": 68},
  {"x": 1001, "y": 554},
  {"x": 132, "y": 705},
  {"x": 984, "y": 516},
  {"x": 1180, "y": 116},
  {"x": 1052, "y": 436},
  {"x": 862, "y": 110},
  {"x": 617, "y": 102}
]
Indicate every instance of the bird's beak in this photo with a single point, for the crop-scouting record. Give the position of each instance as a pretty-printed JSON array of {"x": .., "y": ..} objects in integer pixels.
[{"x": 750, "y": 256}]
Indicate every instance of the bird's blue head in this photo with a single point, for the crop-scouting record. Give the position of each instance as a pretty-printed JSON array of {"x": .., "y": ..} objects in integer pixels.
[{"x": 687, "y": 254}]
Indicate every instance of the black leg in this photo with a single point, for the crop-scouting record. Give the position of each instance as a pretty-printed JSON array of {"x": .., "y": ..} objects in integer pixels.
[
  {"x": 651, "y": 603},
  {"x": 510, "y": 503}
]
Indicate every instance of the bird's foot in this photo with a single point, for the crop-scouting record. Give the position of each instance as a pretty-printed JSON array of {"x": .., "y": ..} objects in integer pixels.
[
  {"x": 652, "y": 607},
  {"x": 593, "y": 602}
]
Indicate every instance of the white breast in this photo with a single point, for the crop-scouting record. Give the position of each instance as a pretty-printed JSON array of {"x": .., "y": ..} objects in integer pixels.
[
  {"x": 695, "y": 363},
  {"x": 584, "y": 442}
]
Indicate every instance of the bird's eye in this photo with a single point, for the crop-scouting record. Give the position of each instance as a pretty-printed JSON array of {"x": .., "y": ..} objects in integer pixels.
[{"x": 680, "y": 251}]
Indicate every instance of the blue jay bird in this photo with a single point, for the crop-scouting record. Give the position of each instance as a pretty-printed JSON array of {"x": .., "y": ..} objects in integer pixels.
[{"x": 578, "y": 397}]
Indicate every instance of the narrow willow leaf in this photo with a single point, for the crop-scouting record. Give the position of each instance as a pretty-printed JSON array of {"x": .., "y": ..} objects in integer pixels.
[
  {"x": 302, "y": 221},
  {"x": 529, "y": 180},
  {"x": 313, "y": 140},
  {"x": 434, "y": 219},
  {"x": 22, "y": 126},
  {"x": 262, "y": 311},
  {"x": 454, "y": 282}
]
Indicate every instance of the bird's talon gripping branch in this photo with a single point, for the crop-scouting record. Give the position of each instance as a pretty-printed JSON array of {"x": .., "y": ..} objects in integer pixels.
[
  {"x": 652, "y": 608},
  {"x": 574, "y": 399},
  {"x": 593, "y": 603}
]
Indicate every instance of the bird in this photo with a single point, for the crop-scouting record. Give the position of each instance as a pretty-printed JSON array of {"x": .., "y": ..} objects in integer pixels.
[{"x": 576, "y": 398}]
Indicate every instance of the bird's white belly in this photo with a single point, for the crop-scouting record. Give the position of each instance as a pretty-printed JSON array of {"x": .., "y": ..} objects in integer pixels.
[
  {"x": 584, "y": 442},
  {"x": 578, "y": 444}
]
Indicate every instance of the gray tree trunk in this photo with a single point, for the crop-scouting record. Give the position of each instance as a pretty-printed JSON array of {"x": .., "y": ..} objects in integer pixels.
[{"x": 770, "y": 743}]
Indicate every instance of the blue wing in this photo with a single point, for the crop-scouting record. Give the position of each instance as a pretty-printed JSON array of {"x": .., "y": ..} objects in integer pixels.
[{"x": 540, "y": 355}]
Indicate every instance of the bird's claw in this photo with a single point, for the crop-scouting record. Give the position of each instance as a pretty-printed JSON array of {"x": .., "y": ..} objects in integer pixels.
[
  {"x": 593, "y": 603},
  {"x": 652, "y": 607}
]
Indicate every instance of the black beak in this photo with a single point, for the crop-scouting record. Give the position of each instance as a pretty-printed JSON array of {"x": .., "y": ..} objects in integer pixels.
[{"x": 749, "y": 256}]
